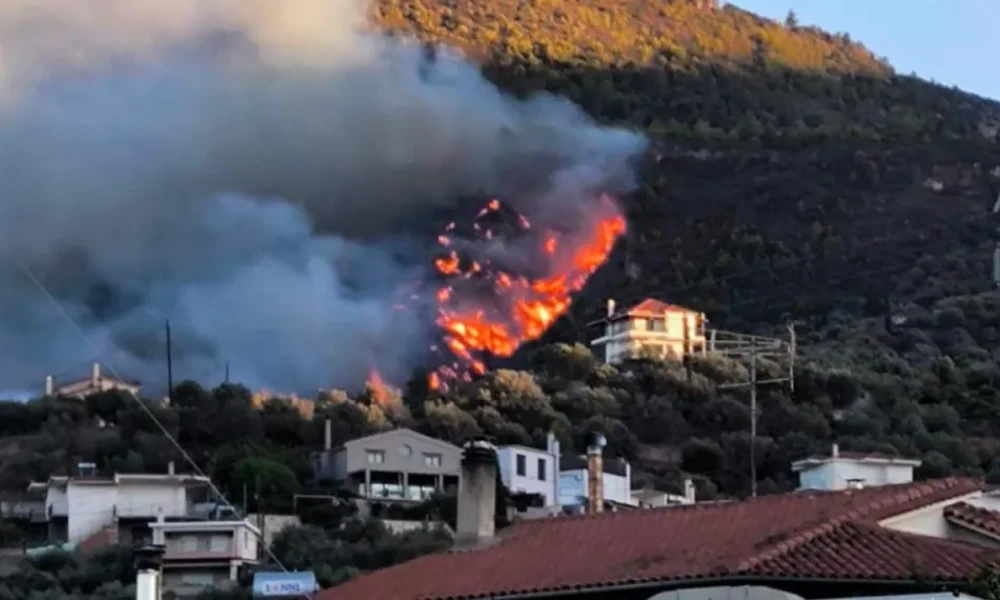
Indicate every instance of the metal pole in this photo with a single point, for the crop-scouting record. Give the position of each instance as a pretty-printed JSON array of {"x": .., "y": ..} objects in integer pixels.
[
  {"x": 170, "y": 368},
  {"x": 227, "y": 371},
  {"x": 753, "y": 417},
  {"x": 791, "y": 357}
]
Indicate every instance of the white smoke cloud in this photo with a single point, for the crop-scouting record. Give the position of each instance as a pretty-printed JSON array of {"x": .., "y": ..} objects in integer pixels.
[{"x": 259, "y": 172}]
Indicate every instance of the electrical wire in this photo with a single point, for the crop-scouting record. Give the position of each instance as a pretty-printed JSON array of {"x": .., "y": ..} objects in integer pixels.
[{"x": 149, "y": 412}]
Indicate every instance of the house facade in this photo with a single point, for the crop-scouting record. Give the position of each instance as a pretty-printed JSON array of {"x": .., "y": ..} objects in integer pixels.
[
  {"x": 204, "y": 554},
  {"x": 651, "y": 328},
  {"x": 400, "y": 465},
  {"x": 116, "y": 509},
  {"x": 527, "y": 470},
  {"x": 843, "y": 470},
  {"x": 97, "y": 382}
]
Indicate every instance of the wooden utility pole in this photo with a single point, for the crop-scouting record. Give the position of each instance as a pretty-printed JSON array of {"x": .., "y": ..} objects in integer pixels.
[{"x": 996, "y": 244}]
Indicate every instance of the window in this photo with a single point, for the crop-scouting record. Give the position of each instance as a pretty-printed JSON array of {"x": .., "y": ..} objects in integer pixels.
[
  {"x": 405, "y": 451},
  {"x": 432, "y": 460},
  {"x": 659, "y": 325},
  {"x": 204, "y": 544},
  {"x": 522, "y": 465},
  {"x": 541, "y": 469},
  {"x": 376, "y": 457}
]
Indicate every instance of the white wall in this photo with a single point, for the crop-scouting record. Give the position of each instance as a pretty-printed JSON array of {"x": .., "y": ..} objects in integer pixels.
[
  {"x": 573, "y": 486},
  {"x": 529, "y": 482},
  {"x": 149, "y": 499},
  {"x": 834, "y": 474},
  {"x": 56, "y": 502},
  {"x": 91, "y": 508}
]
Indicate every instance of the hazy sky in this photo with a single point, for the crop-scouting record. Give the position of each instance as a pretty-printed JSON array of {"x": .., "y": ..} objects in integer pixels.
[{"x": 953, "y": 42}]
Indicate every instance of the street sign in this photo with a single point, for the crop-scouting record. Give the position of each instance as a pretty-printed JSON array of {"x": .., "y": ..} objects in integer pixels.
[{"x": 277, "y": 584}]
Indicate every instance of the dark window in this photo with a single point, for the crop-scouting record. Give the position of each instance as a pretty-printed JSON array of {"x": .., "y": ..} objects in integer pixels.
[
  {"x": 522, "y": 465},
  {"x": 541, "y": 469}
]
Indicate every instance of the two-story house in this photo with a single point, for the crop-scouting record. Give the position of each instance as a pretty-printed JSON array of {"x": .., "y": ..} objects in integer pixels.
[
  {"x": 204, "y": 554},
  {"x": 527, "y": 470},
  {"x": 843, "y": 470},
  {"x": 97, "y": 382},
  {"x": 118, "y": 508},
  {"x": 651, "y": 327},
  {"x": 398, "y": 465}
]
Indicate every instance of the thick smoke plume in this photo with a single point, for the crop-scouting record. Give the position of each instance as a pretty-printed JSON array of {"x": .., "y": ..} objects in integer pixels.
[{"x": 263, "y": 173}]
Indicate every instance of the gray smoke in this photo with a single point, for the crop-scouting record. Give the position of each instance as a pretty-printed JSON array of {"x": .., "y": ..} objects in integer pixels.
[{"x": 262, "y": 173}]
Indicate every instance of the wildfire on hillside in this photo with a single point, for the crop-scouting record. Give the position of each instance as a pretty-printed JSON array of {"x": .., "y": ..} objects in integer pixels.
[{"x": 484, "y": 309}]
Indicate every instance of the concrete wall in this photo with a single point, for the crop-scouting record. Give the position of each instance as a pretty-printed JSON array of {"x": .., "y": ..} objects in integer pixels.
[{"x": 91, "y": 508}]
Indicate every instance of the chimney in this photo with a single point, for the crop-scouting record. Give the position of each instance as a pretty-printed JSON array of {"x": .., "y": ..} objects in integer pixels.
[
  {"x": 327, "y": 434},
  {"x": 611, "y": 307},
  {"x": 49, "y": 385},
  {"x": 689, "y": 491},
  {"x": 477, "y": 489},
  {"x": 835, "y": 452},
  {"x": 95, "y": 374},
  {"x": 170, "y": 468},
  {"x": 147, "y": 579},
  {"x": 595, "y": 473}
]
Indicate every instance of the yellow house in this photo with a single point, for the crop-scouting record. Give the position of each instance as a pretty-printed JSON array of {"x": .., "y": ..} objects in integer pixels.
[{"x": 651, "y": 327}]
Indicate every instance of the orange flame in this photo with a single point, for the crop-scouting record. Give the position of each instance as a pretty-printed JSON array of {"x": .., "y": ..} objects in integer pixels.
[
  {"x": 379, "y": 393},
  {"x": 532, "y": 305}
]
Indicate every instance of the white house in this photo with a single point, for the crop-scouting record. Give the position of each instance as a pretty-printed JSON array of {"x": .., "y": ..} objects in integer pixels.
[
  {"x": 842, "y": 470},
  {"x": 531, "y": 471},
  {"x": 653, "y": 327},
  {"x": 119, "y": 507},
  {"x": 81, "y": 388},
  {"x": 204, "y": 554},
  {"x": 617, "y": 481}
]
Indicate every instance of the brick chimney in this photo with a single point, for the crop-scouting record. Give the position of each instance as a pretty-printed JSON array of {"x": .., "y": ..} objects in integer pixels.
[
  {"x": 595, "y": 473},
  {"x": 477, "y": 489}
]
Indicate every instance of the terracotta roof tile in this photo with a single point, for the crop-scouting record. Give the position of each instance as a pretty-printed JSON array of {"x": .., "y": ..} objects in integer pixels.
[
  {"x": 651, "y": 306},
  {"x": 803, "y": 533},
  {"x": 976, "y": 517}
]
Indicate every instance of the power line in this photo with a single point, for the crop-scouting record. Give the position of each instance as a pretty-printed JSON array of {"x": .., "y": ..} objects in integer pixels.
[{"x": 149, "y": 413}]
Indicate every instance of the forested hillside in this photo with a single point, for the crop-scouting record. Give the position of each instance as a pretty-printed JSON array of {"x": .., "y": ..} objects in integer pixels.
[{"x": 793, "y": 177}]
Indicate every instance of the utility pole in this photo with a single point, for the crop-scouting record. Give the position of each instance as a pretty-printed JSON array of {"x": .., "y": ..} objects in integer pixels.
[
  {"x": 753, "y": 417},
  {"x": 170, "y": 368},
  {"x": 752, "y": 384},
  {"x": 227, "y": 371},
  {"x": 996, "y": 244}
]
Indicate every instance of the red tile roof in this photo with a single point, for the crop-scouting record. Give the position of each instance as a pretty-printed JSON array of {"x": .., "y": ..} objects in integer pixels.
[
  {"x": 977, "y": 517},
  {"x": 804, "y": 534},
  {"x": 651, "y": 306}
]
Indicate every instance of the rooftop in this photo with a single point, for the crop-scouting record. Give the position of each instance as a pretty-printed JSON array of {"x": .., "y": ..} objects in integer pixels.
[
  {"x": 650, "y": 307},
  {"x": 977, "y": 518},
  {"x": 803, "y": 535},
  {"x": 865, "y": 457}
]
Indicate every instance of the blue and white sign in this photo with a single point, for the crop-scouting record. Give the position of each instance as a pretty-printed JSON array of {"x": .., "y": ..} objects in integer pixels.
[{"x": 300, "y": 583}]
